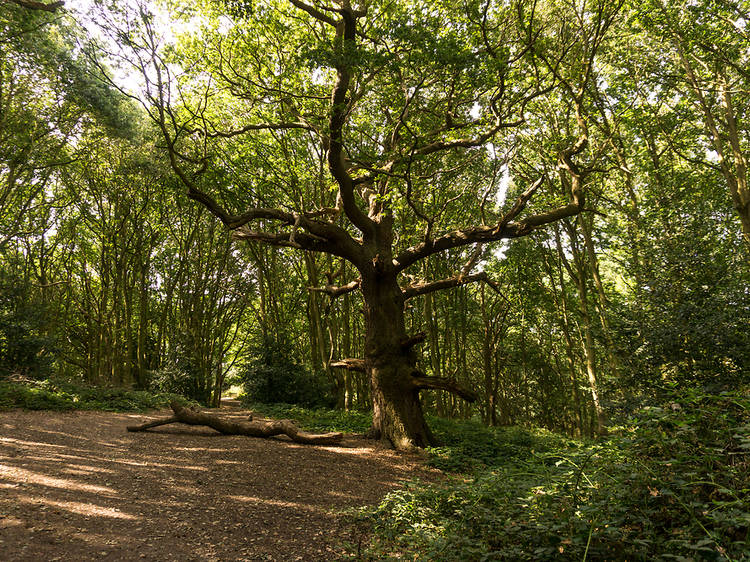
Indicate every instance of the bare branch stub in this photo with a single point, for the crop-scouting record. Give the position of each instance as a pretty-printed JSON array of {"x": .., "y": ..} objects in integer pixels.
[
  {"x": 349, "y": 364},
  {"x": 411, "y": 341}
]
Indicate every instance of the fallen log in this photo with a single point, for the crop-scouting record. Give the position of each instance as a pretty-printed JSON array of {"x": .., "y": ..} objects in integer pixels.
[
  {"x": 251, "y": 429},
  {"x": 155, "y": 423}
]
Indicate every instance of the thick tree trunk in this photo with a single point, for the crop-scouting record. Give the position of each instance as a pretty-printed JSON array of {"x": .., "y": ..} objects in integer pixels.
[
  {"x": 397, "y": 414},
  {"x": 251, "y": 429},
  {"x": 391, "y": 366}
]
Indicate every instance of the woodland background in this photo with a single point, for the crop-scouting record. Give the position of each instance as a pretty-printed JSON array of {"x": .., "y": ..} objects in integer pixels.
[
  {"x": 610, "y": 351},
  {"x": 110, "y": 275}
]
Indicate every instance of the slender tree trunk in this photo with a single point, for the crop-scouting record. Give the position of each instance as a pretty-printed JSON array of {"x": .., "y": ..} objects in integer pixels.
[
  {"x": 580, "y": 277},
  {"x": 346, "y": 346},
  {"x": 562, "y": 304},
  {"x": 493, "y": 325},
  {"x": 318, "y": 352},
  {"x": 601, "y": 302},
  {"x": 433, "y": 341},
  {"x": 143, "y": 323}
]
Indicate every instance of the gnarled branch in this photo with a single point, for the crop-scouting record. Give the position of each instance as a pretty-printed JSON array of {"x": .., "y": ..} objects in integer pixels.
[
  {"x": 450, "y": 282},
  {"x": 336, "y": 291},
  {"x": 314, "y": 12},
  {"x": 479, "y": 140},
  {"x": 155, "y": 423},
  {"x": 440, "y": 383},
  {"x": 503, "y": 229},
  {"x": 300, "y": 240}
]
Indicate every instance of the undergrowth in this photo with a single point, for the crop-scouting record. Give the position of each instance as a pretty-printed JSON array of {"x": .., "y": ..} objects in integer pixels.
[
  {"x": 672, "y": 484},
  {"x": 65, "y": 395},
  {"x": 315, "y": 419},
  {"x": 467, "y": 446}
]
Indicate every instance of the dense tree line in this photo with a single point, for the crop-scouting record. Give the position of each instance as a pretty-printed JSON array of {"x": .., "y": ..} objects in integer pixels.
[{"x": 562, "y": 187}]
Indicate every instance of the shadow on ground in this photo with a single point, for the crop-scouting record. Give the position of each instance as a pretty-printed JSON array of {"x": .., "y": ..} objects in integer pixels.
[{"x": 77, "y": 486}]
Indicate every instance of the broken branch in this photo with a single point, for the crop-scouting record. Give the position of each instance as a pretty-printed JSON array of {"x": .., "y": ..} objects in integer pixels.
[
  {"x": 156, "y": 423},
  {"x": 439, "y": 383},
  {"x": 349, "y": 364}
]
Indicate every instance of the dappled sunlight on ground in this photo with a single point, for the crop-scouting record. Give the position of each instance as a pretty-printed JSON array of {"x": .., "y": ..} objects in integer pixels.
[
  {"x": 85, "y": 509},
  {"x": 77, "y": 486},
  {"x": 11, "y": 474},
  {"x": 284, "y": 504}
]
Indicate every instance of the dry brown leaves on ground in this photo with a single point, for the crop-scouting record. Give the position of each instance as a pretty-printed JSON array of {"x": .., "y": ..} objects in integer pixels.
[{"x": 77, "y": 486}]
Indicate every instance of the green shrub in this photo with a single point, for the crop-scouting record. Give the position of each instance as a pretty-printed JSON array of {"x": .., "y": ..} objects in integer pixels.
[
  {"x": 674, "y": 484},
  {"x": 172, "y": 380},
  {"x": 17, "y": 395},
  {"x": 66, "y": 395},
  {"x": 25, "y": 347},
  {"x": 469, "y": 445},
  {"x": 277, "y": 376}
]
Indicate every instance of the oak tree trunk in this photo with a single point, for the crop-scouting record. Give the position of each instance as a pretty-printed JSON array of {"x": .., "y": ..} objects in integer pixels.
[{"x": 391, "y": 366}]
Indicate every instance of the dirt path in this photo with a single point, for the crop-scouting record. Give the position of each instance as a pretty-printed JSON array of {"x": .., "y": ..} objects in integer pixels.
[{"x": 77, "y": 486}]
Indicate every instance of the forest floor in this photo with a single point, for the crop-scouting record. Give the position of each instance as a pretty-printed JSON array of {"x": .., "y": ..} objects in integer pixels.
[{"x": 78, "y": 486}]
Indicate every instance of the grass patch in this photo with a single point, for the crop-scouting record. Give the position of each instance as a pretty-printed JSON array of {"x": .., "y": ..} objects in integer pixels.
[{"x": 66, "y": 395}]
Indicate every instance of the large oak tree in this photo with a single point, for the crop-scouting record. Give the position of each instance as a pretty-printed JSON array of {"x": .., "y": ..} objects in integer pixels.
[{"x": 380, "y": 132}]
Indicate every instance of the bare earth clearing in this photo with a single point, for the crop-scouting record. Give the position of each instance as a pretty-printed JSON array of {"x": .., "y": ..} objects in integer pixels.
[{"x": 77, "y": 486}]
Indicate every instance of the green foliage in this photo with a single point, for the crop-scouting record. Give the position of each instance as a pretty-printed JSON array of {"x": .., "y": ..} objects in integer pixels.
[
  {"x": 692, "y": 323},
  {"x": 173, "y": 380},
  {"x": 316, "y": 419},
  {"x": 25, "y": 348},
  {"x": 276, "y": 375},
  {"x": 672, "y": 485},
  {"x": 66, "y": 395},
  {"x": 470, "y": 445}
]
